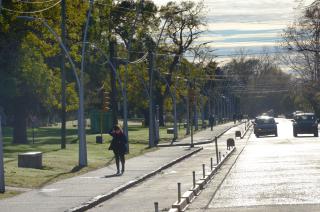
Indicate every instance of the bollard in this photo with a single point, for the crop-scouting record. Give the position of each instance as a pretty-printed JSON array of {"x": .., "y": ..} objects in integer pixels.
[
  {"x": 203, "y": 171},
  {"x": 156, "y": 207},
  {"x": 216, "y": 143},
  {"x": 179, "y": 192},
  {"x": 194, "y": 178},
  {"x": 211, "y": 164},
  {"x": 219, "y": 156}
]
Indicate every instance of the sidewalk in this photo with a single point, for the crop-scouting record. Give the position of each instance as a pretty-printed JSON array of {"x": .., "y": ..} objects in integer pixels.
[
  {"x": 101, "y": 184},
  {"x": 162, "y": 188},
  {"x": 202, "y": 137}
]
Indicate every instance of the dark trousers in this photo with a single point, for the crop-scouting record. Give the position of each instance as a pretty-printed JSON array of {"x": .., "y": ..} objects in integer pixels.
[{"x": 119, "y": 158}]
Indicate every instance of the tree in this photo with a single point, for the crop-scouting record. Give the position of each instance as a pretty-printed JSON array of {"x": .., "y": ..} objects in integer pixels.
[
  {"x": 29, "y": 55},
  {"x": 182, "y": 28},
  {"x": 259, "y": 83},
  {"x": 302, "y": 40}
]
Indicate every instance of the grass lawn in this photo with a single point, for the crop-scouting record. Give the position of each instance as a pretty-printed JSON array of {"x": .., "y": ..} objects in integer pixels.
[{"x": 60, "y": 164}]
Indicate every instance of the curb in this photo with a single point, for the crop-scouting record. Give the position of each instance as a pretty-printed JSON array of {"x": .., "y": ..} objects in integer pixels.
[
  {"x": 188, "y": 196},
  {"x": 201, "y": 142},
  {"x": 101, "y": 198},
  {"x": 233, "y": 163},
  {"x": 245, "y": 132}
]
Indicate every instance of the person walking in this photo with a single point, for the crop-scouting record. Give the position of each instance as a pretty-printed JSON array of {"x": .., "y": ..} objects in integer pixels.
[
  {"x": 119, "y": 146},
  {"x": 211, "y": 121},
  {"x": 234, "y": 117}
]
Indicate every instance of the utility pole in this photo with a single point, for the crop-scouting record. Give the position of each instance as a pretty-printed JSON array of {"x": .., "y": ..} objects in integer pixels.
[
  {"x": 125, "y": 98},
  {"x": 2, "y": 186},
  {"x": 188, "y": 110},
  {"x": 175, "y": 127},
  {"x": 156, "y": 126},
  {"x": 114, "y": 106},
  {"x": 63, "y": 75},
  {"x": 316, "y": 74},
  {"x": 0, "y": 6},
  {"x": 151, "y": 114},
  {"x": 196, "y": 115},
  {"x": 191, "y": 121}
]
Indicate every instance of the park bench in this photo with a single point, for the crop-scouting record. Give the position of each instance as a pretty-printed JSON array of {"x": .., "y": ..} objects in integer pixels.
[{"x": 30, "y": 160}]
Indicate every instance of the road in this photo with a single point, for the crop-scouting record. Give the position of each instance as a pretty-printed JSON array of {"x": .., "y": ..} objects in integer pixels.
[{"x": 271, "y": 174}]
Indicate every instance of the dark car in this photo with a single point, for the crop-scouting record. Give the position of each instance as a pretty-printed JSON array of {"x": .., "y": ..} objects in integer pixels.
[
  {"x": 265, "y": 125},
  {"x": 305, "y": 123}
]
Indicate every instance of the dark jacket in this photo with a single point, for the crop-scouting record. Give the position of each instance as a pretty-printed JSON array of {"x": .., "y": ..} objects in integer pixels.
[
  {"x": 211, "y": 120},
  {"x": 119, "y": 143}
]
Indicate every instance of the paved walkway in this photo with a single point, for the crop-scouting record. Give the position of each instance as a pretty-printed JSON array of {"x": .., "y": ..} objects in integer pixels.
[
  {"x": 162, "y": 188},
  {"x": 102, "y": 184},
  {"x": 202, "y": 137}
]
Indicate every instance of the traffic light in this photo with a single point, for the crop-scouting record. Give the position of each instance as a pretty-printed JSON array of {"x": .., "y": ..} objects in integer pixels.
[{"x": 106, "y": 102}]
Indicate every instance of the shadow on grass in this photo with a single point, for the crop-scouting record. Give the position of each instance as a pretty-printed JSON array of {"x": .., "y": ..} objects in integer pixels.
[
  {"x": 76, "y": 169},
  {"x": 73, "y": 170}
]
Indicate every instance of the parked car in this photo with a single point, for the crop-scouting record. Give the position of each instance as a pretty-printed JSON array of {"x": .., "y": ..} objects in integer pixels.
[
  {"x": 305, "y": 123},
  {"x": 265, "y": 125},
  {"x": 296, "y": 113}
]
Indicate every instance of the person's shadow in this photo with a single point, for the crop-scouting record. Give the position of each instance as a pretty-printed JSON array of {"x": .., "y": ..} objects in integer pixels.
[{"x": 112, "y": 175}]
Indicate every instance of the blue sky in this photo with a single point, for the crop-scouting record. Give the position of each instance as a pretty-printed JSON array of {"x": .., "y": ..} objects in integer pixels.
[{"x": 248, "y": 24}]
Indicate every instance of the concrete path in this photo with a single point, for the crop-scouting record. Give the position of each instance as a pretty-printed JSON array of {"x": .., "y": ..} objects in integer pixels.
[
  {"x": 101, "y": 184},
  {"x": 162, "y": 188},
  {"x": 202, "y": 137}
]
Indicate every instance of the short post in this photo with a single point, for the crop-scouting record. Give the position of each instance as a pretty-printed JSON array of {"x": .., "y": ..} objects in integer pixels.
[
  {"x": 216, "y": 143},
  {"x": 179, "y": 192},
  {"x": 156, "y": 207},
  {"x": 2, "y": 185},
  {"x": 211, "y": 163},
  {"x": 194, "y": 179},
  {"x": 203, "y": 171},
  {"x": 219, "y": 156}
]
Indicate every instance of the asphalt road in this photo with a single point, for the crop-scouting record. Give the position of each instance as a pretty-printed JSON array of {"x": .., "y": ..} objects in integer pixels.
[{"x": 271, "y": 174}]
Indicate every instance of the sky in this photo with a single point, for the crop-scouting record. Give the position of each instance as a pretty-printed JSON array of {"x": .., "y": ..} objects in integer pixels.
[{"x": 253, "y": 25}]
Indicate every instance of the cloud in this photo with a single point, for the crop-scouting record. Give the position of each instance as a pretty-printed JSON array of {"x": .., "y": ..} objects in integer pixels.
[{"x": 251, "y": 24}]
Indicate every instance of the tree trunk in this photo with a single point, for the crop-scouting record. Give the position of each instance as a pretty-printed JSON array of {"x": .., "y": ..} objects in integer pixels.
[
  {"x": 160, "y": 102},
  {"x": 20, "y": 122},
  {"x": 146, "y": 117}
]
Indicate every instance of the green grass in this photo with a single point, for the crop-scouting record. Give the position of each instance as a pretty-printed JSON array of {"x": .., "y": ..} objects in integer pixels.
[{"x": 60, "y": 164}]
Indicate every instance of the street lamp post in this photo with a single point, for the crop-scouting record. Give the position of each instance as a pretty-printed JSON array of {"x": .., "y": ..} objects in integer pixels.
[
  {"x": 175, "y": 127},
  {"x": 2, "y": 186},
  {"x": 83, "y": 161},
  {"x": 151, "y": 114}
]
